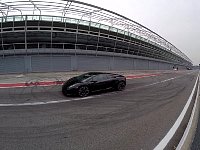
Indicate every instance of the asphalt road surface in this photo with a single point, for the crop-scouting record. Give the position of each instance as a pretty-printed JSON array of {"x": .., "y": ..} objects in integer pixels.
[{"x": 136, "y": 118}]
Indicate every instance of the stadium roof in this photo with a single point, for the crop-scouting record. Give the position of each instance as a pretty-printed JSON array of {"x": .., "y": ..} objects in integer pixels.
[{"x": 83, "y": 11}]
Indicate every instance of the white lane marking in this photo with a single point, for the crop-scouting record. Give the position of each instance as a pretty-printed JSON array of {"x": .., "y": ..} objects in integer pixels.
[
  {"x": 183, "y": 139},
  {"x": 84, "y": 98},
  {"x": 174, "y": 128},
  {"x": 166, "y": 80},
  {"x": 153, "y": 83},
  {"x": 48, "y": 102},
  {"x": 14, "y": 87}
]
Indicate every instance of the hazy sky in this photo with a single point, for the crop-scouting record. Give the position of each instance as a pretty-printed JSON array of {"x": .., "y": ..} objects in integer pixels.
[{"x": 178, "y": 21}]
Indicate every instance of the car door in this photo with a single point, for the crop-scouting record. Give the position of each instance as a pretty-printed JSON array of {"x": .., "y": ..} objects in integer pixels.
[
  {"x": 98, "y": 82},
  {"x": 109, "y": 81}
]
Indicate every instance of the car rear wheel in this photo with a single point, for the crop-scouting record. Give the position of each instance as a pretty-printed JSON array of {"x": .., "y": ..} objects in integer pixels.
[
  {"x": 83, "y": 91},
  {"x": 121, "y": 86}
]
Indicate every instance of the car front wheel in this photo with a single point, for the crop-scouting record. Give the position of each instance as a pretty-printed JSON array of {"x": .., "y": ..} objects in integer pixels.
[
  {"x": 83, "y": 91},
  {"x": 121, "y": 86}
]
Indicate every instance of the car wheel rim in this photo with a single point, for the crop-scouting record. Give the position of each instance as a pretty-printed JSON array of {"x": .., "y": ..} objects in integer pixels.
[
  {"x": 83, "y": 91},
  {"x": 121, "y": 86}
]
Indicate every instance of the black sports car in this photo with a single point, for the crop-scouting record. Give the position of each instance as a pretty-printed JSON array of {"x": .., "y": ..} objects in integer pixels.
[{"x": 90, "y": 82}]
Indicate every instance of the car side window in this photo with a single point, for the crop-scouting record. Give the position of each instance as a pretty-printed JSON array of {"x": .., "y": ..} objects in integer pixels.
[
  {"x": 100, "y": 77},
  {"x": 110, "y": 76},
  {"x": 88, "y": 79}
]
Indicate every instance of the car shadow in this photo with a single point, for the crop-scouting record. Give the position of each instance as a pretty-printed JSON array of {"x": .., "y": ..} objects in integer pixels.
[{"x": 94, "y": 93}]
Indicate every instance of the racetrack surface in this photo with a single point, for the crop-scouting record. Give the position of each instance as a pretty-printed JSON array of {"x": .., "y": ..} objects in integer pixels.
[{"x": 136, "y": 118}]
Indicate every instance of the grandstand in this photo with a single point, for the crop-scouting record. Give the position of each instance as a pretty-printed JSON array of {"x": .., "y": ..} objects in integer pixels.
[{"x": 64, "y": 35}]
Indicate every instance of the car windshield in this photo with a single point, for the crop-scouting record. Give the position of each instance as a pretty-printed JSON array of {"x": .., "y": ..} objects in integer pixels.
[{"x": 84, "y": 77}]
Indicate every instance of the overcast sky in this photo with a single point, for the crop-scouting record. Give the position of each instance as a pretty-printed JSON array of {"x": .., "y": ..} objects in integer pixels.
[{"x": 178, "y": 21}]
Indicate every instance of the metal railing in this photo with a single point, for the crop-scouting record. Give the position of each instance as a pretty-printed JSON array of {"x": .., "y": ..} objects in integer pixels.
[{"x": 83, "y": 47}]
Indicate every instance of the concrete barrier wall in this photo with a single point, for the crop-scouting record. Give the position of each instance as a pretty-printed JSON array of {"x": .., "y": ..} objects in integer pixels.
[
  {"x": 93, "y": 63},
  {"x": 12, "y": 65},
  {"x": 52, "y": 63}
]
